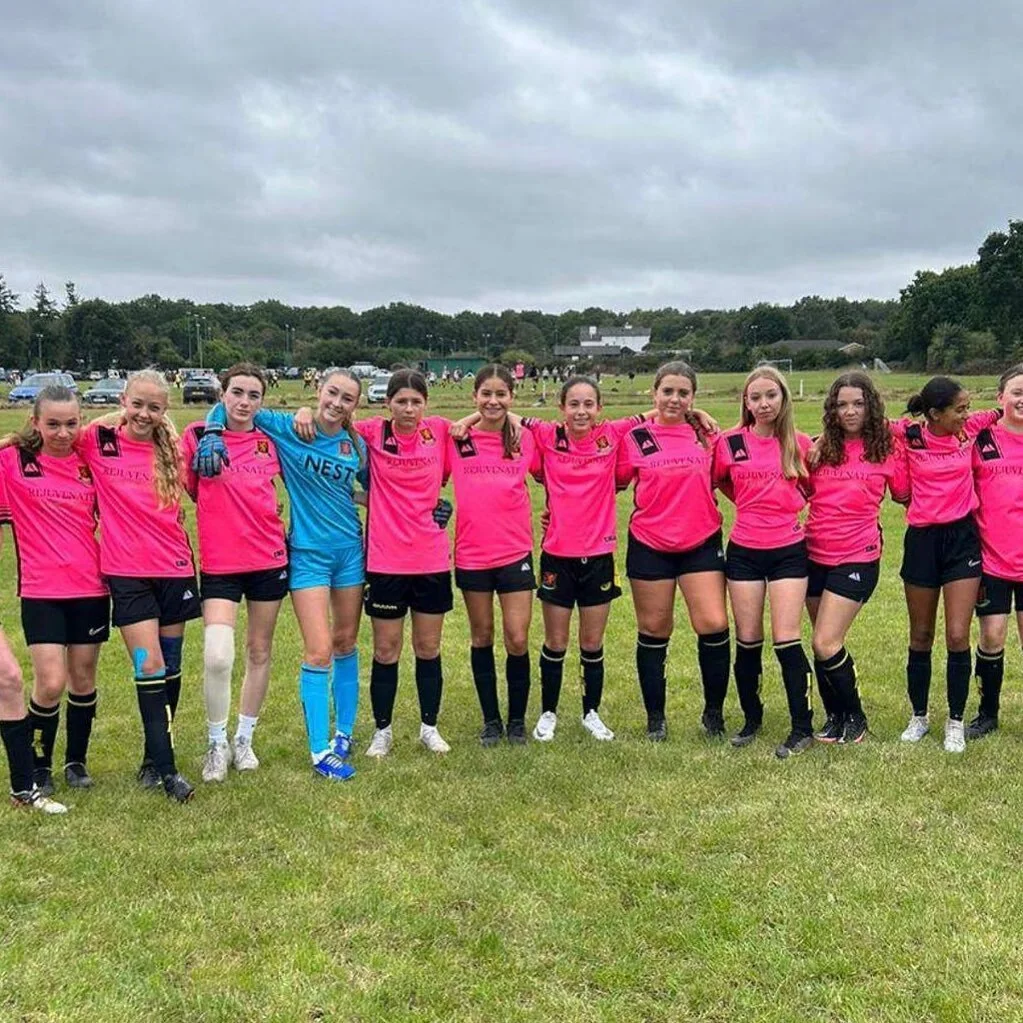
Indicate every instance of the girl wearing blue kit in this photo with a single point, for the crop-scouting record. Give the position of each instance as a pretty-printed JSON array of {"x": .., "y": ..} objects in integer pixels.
[{"x": 326, "y": 554}]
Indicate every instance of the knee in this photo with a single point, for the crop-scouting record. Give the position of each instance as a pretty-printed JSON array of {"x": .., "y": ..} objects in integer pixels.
[
  {"x": 481, "y": 635},
  {"x": 11, "y": 680},
  {"x": 957, "y": 638},
  {"x": 386, "y": 651},
  {"x": 258, "y": 653},
  {"x": 825, "y": 647},
  {"x": 49, "y": 689},
  {"x": 343, "y": 643},
  {"x": 425, "y": 650},
  {"x": 319, "y": 656},
  {"x": 921, "y": 638},
  {"x": 516, "y": 641}
]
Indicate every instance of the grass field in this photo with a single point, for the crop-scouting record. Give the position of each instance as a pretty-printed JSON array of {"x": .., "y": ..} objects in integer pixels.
[{"x": 576, "y": 881}]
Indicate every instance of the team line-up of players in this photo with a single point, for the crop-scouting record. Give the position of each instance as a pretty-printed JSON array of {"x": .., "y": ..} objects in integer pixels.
[{"x": 959, "y": 474}]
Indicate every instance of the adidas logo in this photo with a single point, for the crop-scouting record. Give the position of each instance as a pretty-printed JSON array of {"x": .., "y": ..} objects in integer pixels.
[
  {"x": 855, "y": 576},
  {"x": 283, "y": 575},
  {"x": 524, "y": 567},
  {"x": 187, "y": 595}
]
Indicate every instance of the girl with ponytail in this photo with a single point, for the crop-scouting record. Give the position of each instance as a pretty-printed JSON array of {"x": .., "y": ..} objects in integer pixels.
[
  {"x": 325, "y": 550},
  {"x": 146, "y": 558}
]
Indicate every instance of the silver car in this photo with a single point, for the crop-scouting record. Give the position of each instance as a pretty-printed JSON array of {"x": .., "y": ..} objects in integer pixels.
[{"x": 376, "y": 393}]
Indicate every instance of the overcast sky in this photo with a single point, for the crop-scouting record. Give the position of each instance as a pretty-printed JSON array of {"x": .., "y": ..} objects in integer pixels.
[{"x": 514, "y": 153}]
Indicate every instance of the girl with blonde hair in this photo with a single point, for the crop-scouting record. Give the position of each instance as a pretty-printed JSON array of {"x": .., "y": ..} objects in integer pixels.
[{"x": 760, "y": 466}]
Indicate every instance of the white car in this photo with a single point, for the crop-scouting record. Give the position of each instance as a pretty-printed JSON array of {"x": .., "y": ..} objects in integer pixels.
[{"x": 377, "y": 391}]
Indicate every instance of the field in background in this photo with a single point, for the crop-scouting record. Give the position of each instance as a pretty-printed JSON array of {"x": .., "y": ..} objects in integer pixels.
[{"x": 574, "y": 881}]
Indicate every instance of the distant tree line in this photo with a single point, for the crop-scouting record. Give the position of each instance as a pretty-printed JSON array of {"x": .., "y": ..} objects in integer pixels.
[{"x": 966, "y": 317}]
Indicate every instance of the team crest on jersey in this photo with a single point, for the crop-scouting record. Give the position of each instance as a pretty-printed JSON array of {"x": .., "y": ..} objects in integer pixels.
[
  {"x": 344, "y": 448},
  {"x": 646, "y": 442},
  {"x": 426, "y": 435},
  {"x": 84, "y": 474},
  {"x": 737, "y": 445},
  {"x": 603, "y": 443},
  {"x": 262, "y": 446},
  {"x": 987, "y": 445}
]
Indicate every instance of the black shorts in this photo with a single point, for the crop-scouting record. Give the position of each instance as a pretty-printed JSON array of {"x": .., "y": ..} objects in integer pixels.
[
  {"x": 854, "y": 580},
  {"x": 644, "y": 562},
  {"x": 73, "y": 622},
  {"x": 935, "y": 555},
  {"x": 997, "y": 596},
  {"x": 169, "y": 601},
  {"x": 587, "y": 582},
  {"x": 267, "y": 584},
  {"x": 391, "y": 596},
  {"x": 754, "y": 565},
  {"x": 519, "y": 575}
]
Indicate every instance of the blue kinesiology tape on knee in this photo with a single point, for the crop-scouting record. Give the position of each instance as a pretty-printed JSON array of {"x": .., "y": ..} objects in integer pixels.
[
  {"x": 139, "y": 656},
  {"x": 170, "y": 646}
]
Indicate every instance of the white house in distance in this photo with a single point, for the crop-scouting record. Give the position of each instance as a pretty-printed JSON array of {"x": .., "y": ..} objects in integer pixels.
[{"x": 633, "y": 338}]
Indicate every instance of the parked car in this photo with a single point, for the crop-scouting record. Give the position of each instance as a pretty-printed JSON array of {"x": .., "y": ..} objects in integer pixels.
[
  {"x": 377, "y": 390},
  {"x": 28, "y": 390},
  {"x": 106, "y": 392},
  {"x": 95, "y": 375},
  {"x": 292, "y": 373},
  {"x": 203, "y": 389}
]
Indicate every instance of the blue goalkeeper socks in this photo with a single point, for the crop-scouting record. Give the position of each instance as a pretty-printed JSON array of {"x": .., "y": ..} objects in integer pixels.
[
  {"x": 346, "y": 691},
  {"x": 312, "y": 688}
]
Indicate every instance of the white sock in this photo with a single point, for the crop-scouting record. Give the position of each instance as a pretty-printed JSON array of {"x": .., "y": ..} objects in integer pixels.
[
  {"x": 246, "y": 726},
  {"x": 218, "y": 731},
  {"x": 218, "y": 662}
]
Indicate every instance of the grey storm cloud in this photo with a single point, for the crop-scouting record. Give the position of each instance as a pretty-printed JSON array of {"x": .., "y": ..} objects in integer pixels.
[{"x": 504, "y": 154}]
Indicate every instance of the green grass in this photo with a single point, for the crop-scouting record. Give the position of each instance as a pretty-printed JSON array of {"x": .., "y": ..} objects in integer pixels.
[{"x": 571, "y": 882}]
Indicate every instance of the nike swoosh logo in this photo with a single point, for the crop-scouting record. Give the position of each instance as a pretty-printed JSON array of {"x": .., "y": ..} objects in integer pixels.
[{"x": 96, "y": 632}]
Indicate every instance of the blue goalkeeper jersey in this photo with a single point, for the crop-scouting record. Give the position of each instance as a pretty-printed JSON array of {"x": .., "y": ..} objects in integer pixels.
[{"x": 319, "y": 476}]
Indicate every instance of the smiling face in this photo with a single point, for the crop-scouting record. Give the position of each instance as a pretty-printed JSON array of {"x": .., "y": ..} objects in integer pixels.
[
  {"x": 1011, "y": 399},
  {"x": 58, "y": 424},
  {"x": 673, "y": 398},
  {"x": 851, "y": 409},
  {"x": 337, "y": 401},
  {"x": 951, "y": 420},
  {"x": 243, "y": 398},
  {"x": 493, "y": 398},
  {"x": 581, "y": 408},
  {"x": 764, "y": 400},
  {"x": 407, "y": 407},
  {"x": 144, "y": 405}
]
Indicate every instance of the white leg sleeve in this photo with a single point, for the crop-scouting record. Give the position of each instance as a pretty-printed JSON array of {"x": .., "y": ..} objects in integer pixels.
[{"x": 218, "y": 661}]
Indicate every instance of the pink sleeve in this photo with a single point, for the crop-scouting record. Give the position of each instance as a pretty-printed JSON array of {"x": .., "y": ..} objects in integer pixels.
[
  {"x": 977, "y": 421},
  {"x": 542, "y": 429},
  {"x": 5, "y": 508},
  {"x": 369, "y": 429},
  {"x": 620, "y": 427},
  {"x": 188, "y": 448},
  {"x": 625, "y": 472},
  {"x": 898, "y": 483}
]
